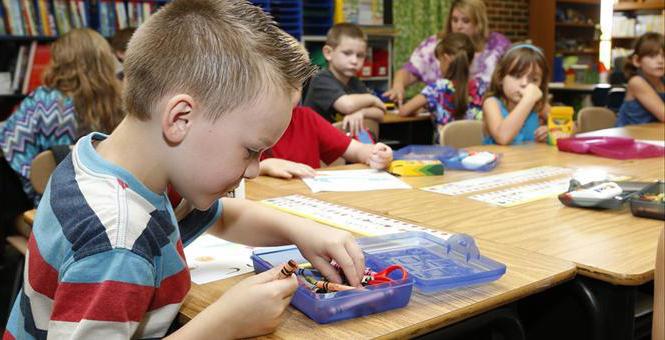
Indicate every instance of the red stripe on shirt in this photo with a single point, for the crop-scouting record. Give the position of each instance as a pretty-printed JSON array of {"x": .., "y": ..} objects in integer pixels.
[
  {"x": 43, "y": 278},
  {"x": 8, "y": 336},
  {"x": 105, "y": 301},
  {"x": 172, "y": 289}
]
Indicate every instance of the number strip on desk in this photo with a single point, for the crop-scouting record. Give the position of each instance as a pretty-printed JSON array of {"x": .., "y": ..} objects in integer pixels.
[
  {"x": 524, "y": 194},
  {"x": 341, "y": 217},
  {"x": 496, "y": 181}
]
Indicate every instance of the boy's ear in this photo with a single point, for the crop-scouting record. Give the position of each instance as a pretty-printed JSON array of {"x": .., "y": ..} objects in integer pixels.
[
  {"x": 177, "y": 119},
  {"x": 327, "y": 52}
]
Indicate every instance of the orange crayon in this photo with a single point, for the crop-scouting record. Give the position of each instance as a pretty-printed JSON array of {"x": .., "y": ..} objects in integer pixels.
[
  {"x": 288, "y": 269},
  {"x": 333, "y": 287}
]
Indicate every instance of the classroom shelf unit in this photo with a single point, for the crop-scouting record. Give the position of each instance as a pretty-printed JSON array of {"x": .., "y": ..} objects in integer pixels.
[
  {"x": 632, "y": 19},
  {"x": 565, "y": 28}
]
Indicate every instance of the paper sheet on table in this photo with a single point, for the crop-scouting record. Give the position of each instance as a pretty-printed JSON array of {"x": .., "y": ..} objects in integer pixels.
[
  {"x": 354, "y": 180},
  {"x": 210, "y": 259}
]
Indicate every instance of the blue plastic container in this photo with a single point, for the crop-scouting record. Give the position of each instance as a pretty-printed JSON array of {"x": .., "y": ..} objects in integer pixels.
[
  {"x": 433, "y": 264},
  {"x": 324, "y": 308},
  {"x": 450, "y": 157}
]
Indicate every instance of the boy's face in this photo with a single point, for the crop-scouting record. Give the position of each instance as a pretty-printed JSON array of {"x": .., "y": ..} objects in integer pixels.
[
  {"x": 348, "y": 57},
  {"x": 217, "y": 155}
]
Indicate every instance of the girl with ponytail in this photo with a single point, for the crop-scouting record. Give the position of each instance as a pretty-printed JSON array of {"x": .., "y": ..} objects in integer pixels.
[{"x": 455, "y": 96}]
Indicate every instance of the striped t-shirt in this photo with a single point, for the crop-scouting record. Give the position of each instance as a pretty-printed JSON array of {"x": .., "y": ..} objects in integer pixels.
[{"x": 105, "y": 259}]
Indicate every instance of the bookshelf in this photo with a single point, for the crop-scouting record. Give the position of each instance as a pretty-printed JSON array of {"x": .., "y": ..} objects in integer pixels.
[
  {"x": 630, "y": 20},
  {"x": 27, "y": 27},
  {"x": 566, "y": 28}
]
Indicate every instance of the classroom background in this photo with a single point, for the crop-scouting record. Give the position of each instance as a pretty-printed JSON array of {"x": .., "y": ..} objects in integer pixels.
[{"x": 557, "y": 288}]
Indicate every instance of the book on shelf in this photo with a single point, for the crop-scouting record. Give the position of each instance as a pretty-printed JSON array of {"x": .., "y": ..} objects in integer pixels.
[
  {"x": 19, "y": 68},
  {"x": 3, "y": 29},
  {"x": 40, "y": 56}
]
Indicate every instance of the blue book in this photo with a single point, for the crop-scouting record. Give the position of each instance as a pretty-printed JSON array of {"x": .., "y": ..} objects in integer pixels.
[{"x": 3, "y": 31}]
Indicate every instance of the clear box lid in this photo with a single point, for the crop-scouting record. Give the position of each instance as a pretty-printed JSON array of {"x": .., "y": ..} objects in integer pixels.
[{"x": 434, "y": 264}]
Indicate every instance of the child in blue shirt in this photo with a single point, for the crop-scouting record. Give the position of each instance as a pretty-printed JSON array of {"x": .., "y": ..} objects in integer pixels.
[
  {"x": 644, "y": 69},
  {"x": 517, "y": 97},
  {"x": 455, "y": 96}
]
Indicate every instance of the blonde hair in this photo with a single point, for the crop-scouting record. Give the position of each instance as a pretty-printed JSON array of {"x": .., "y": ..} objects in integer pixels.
[
  {"x": 648, "y": 45},
  {"x": 82, "y": 67},
  {"x": 461, "y": 50},
  {"x": 223, "y": 53},
  {"x": 518, "y": 61},
  {"x": 477, "y": 11},
  {"x": 344, "y": 29}
]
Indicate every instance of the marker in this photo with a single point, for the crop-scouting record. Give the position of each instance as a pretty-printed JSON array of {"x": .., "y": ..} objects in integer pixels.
[{"x": 288, "y": 269}]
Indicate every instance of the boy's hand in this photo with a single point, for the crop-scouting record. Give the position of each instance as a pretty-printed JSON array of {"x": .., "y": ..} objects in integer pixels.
[
  {"x": 541, "y": 134},
  {"x": 532, "y": 93},
  {"x": 396, "y": 94},
  {"x": 282, "y": 168},
  {"x": 255, "y": 305},
  {"x": 381, "y": 156},
  {"x": 320, "y": 244},
  {"x": 353, "y": 122}
]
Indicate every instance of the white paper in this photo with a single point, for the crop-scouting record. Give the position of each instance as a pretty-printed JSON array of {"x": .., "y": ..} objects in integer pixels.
[
  {"x": 210, "y": 259},
  {"x": 353, "y": 180}
]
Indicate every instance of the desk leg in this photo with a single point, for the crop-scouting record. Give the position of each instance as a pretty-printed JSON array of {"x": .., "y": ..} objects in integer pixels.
[{"x": 611, "y": 307}]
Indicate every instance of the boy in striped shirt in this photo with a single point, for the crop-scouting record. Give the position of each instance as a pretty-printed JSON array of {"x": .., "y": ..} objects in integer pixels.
[{"x": 209, "y": 85}]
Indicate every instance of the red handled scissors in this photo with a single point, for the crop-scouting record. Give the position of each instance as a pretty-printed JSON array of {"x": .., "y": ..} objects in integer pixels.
[{"x": 382, "y": 276}]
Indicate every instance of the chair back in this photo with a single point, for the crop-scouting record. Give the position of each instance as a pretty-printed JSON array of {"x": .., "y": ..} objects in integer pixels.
[
  {"x": 461, "y": 133},
  {"x": 595, "y": 118},
  {"x": 42, "y": 168}
]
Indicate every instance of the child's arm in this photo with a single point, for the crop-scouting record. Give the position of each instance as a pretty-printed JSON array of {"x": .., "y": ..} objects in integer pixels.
[
  {"x": 350, "y": 103},
  {"x": 377, "y": 156},
  {"x": 504, "y": 130},
  {"x": 256, "y": 225},
  {"x": 413, "y": 105},
  {"x": 282, "y": 168},
  {"x": 403, "y": 79},
  {"x": 647, "y": 96}
]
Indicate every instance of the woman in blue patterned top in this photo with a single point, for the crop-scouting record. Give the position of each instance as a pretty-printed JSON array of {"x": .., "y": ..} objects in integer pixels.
[
  {"x": 644, "y": 69},
  {"x": 455, "y": 96},
  {"x": 80, "y": 94}
]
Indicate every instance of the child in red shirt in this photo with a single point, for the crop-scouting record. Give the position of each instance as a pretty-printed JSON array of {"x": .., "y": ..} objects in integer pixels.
[{"x": 310, "y": 139}]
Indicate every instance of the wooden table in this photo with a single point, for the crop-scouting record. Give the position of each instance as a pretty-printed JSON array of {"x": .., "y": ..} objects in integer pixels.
[
  {"x": 612, "y": 246},
  {"x": 527, "y": 273},
  {"x": 613, "y": 250},
  {"x": 651, "y": 131},
  {"x": 392, "y": 118}
]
